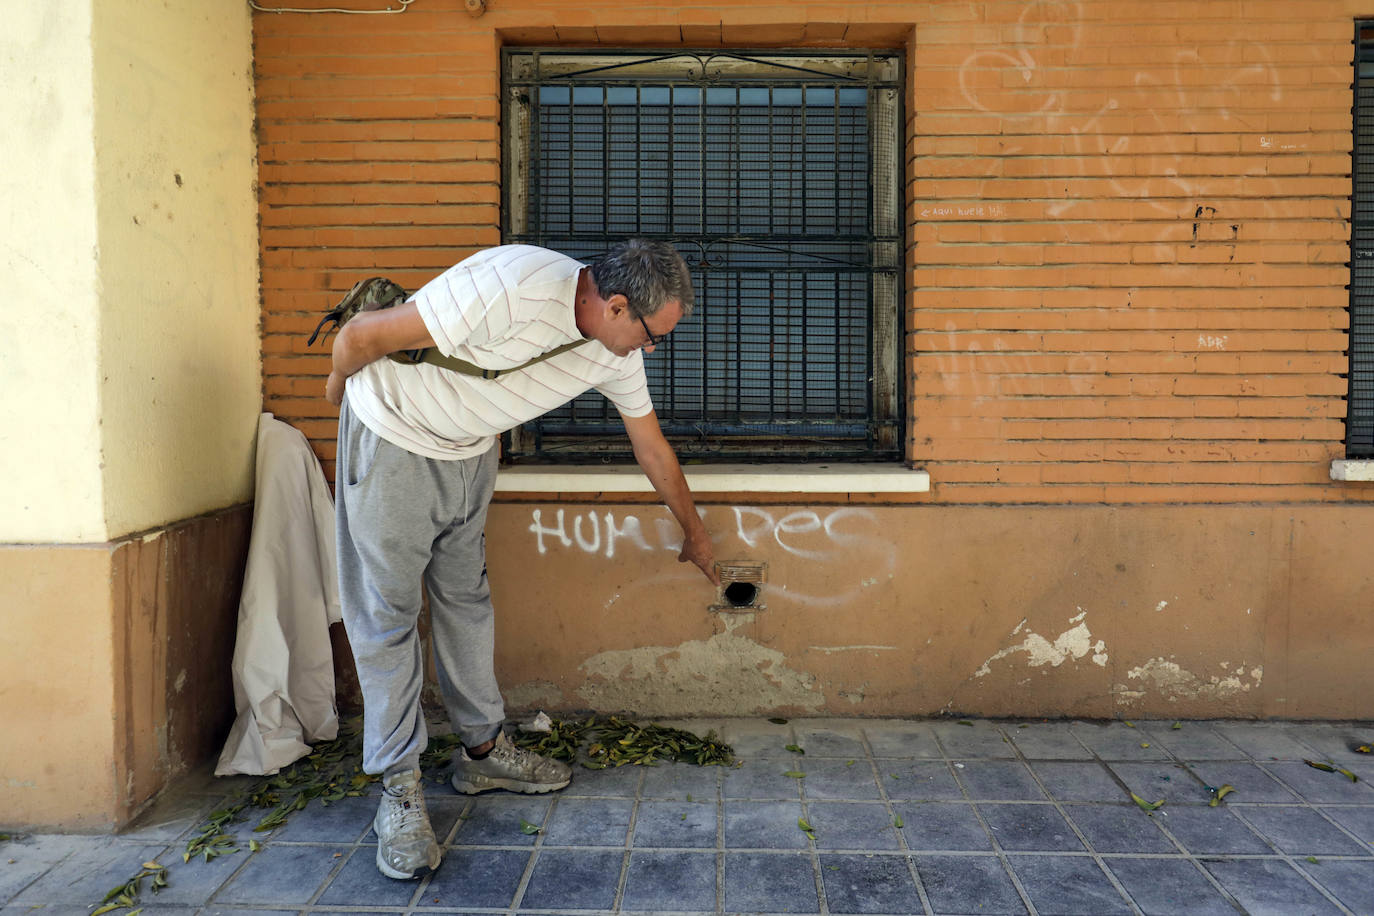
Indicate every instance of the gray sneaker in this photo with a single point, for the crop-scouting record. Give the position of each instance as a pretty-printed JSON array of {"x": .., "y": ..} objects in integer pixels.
[
  {"x": 509, "y": 767},
  {"x": 406, "y": 847}
]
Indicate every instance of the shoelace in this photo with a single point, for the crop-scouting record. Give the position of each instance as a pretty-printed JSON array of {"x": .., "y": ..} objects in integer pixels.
[{"x": 411, "y": 809}]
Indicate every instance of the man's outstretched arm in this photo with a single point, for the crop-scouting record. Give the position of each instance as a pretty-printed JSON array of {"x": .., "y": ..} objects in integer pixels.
[
  {"x": 660, "y": 465},
  {"x": 369, "y": 336}
]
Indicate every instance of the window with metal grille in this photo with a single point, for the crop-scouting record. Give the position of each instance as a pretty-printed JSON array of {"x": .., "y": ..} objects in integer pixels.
[
  {"x": 1359, "y": 426},
  {"x": 776, "y": 177}
]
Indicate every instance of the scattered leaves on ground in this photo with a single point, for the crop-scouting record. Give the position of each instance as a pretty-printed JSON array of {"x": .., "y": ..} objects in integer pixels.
[
  {"x": 529, "y": 829},
  {"x": 794, "y": 774},
  {"x": 806, "y": 828},
  {"x": 613, "y": 742},
  {"x": 1147, "y": 807},
  {"x": 778, "y": 721},
  {"x": 795, "y": 748},
  {"x": 1219, "y": 793}
]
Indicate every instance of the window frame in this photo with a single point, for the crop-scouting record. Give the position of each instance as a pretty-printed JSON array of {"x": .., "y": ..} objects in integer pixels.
[{"x": 886, "y": 389}]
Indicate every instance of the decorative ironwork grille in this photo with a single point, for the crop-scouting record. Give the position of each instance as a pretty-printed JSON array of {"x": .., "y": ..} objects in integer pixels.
[
  {"x": 1359, "y": 442},
  {"x": 776, "y": 176}
]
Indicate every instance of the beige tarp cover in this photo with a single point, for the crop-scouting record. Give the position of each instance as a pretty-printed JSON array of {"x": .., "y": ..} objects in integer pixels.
[{"x": 283, "y": 666}]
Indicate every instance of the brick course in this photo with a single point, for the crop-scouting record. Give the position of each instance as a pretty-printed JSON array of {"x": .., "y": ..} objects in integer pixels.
[{"x": 1127, "y": 221}]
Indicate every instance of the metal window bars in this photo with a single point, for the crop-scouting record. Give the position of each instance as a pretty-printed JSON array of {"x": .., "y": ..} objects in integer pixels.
[
  {"x": 776, "y": 176},
  {"x": 1359, "y": 441}
]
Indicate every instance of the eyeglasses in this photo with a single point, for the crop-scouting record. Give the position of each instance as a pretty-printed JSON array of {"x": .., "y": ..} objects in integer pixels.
[{"x": 655, "y": 340}]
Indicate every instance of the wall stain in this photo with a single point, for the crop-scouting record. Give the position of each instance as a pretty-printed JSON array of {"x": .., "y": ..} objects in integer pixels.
[{"x": 726, "y": 675}]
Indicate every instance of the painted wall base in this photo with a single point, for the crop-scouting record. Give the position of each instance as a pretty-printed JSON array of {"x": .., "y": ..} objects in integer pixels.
[
  {"x": 114, "y": 671},
  {"x": 1183, "y": 611}
]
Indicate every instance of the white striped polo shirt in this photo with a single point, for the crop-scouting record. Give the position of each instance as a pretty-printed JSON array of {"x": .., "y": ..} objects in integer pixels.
[{"x": 497, "y": 309}]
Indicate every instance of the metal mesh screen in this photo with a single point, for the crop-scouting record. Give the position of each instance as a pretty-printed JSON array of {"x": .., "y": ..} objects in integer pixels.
[
  {"x": 763, "y": 173},
  {"x": 1360, "y": 410}
]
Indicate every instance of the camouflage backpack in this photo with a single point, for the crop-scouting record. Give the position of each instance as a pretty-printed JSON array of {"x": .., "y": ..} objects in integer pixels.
[{"x": 380, "y": 293}]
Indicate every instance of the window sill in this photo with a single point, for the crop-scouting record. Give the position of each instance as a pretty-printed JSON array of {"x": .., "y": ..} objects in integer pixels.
[
  {"x": 720, "y": 478},
  {"x": 1343, "y": 469}
]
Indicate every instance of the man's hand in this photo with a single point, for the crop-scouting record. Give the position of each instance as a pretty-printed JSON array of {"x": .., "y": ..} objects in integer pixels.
[
  {"x": 697, "y": 549},
  {"x": 334, "y": 389}
]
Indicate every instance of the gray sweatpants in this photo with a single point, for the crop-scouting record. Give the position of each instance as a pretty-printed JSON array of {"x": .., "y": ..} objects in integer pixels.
[{"x": 403, "y": 519}]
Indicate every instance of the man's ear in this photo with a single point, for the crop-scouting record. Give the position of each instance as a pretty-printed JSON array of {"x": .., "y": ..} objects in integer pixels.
[{"x": 617, "y": 303}]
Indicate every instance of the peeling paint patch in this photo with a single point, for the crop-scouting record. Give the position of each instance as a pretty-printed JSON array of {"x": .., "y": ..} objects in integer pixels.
[
  {"x": 829, "y": 649},
  {"x": 1074, "y": 643},
  {"x": 726, "y": 675},
  {"x": 1176, "y": 683}
]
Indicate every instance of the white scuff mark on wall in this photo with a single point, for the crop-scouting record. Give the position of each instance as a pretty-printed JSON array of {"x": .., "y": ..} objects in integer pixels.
[
  {"x": 829, "y": 649},
  {"x": 725, "y": 675},
  {"x": 1074, "y": 643},
  {"x": 1176, "y": 682},
  {"x": 1161, "y": 606}
]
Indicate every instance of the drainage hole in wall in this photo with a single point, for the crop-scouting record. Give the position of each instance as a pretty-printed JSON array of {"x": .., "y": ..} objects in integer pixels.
[{"x": 741, "y": 594}]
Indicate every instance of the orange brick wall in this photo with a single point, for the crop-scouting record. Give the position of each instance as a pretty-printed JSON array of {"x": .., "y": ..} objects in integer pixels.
[{"x": 1128, "y": 221}]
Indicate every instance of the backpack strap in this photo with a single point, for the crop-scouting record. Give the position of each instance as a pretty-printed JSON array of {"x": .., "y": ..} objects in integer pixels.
[{"x": 432, "y": 356}]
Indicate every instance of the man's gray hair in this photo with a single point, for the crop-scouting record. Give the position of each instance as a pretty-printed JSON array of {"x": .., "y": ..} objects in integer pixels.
[{"x": 648, "y": 274}]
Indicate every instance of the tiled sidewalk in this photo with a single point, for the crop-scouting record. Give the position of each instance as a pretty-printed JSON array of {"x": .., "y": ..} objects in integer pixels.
[{"x": 908, "y": 817}]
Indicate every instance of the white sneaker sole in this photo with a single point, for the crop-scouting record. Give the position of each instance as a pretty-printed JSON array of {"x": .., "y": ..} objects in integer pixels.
[
  {"x": 396, "y": 873},
  {"x": 488, "y": 784}
]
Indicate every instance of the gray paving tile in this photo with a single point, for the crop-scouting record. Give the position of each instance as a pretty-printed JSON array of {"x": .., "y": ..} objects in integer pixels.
[
  {"x": 763, "y": 825},
  {"x": 770, "y": 883},
  {"x": 1046, "y": 741},
  {"x": 494, "y": 820},
  {"x": 1270, "y": 887},
  {"x": 1301, "y": 831},
  {"x": 614, "y": 782},
  {"x": 675, "y": 824},
  {"x": 359, "y": 883},
  {"x": 89, "y": 872},
  {"x": 968, "y": 884},
  {"x": 830, "y": 778},
  {"x": 762, "y": 779},
  {"x": 678, "y": 780},
  {"x": 1120, "y": 829},
  {"x": 1191, "y": 740},
  {"x": 170, "y": 817},
  {"x": 1319, "y": 786},
  {"x": 998, "y": 780},
  {"x": 1251, "y": 783},
  {"x": 1068, "y": 886},
  {"x": 1117, "y": 741},
  {"x": 573, "y": 879},
  {"x": 25, "y": 858},
  {"x": 589, "y": 822},
  {"x": 1169, "y": 781},
  {"x": 941, "y": 826},
  {"x": 979, "y": 738},
  {"x": 753, "y": 739},
  {"x": 1030, "y": 828},
  {"x": 196, "y": 881},
  {"x": 343, "y": 821},
  {"x": 869, "y": 884},
  {"x": 1336, "y": 742},
  {"x": 1168, "y": 887},
  {"x": 238, "y": 911},
  {"x": 1079, "y": 780},
  {"x": 24, "y": 909},
  {"x": 1348, "y": 881},
  {"x": 1211, "y": 831},
  {"x": 902, "y": 740},
  {"x": 290, "y": 874},
  {"x": 1358, "y": 820},
  {"x": 1263, "y": 740},
  {"x": 476, "y": 878},
  {"x": 675, "y": 881},
  {"x": 831, "y": 742},
  {"x": 919, "y": 781},
  {"x": 852, "y": 825}
]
